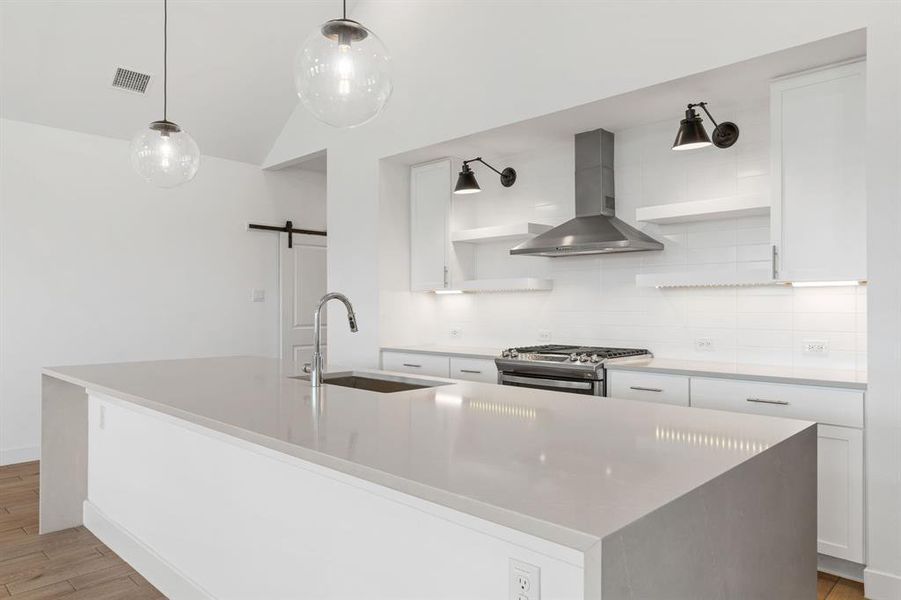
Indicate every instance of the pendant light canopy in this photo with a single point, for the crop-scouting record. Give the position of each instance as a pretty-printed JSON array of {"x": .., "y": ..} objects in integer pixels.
[
  {"x": 466, "y": 181},
  {"x": 342, "y": 73},
  {"x": 692, "y": 135},
  {"x": 163, "y": 153}
]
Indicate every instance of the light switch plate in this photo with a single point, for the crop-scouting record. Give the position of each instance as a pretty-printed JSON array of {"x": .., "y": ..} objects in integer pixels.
[
  {"x": 257, "y": 295},
  {"x": 525, "y": 581}
]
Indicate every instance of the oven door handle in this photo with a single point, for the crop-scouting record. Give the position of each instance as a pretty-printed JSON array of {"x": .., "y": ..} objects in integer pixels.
[{"x": 554, "y": 383}]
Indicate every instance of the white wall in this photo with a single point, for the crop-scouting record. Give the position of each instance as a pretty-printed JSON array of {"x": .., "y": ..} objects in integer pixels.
[
  {"x": 552, "y": 55},
  {"x": 97, "y": 266},
  {"x": 595, "y": 299}
]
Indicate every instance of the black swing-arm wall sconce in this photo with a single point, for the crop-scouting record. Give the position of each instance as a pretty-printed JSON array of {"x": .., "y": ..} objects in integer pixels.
[
  {"x": 466, "y": 181},
  {"x": 692, "y": 135}
]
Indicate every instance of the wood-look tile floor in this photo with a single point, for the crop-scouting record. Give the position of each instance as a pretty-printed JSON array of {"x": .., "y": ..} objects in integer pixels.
[
  {"x": 70, "y": 564},
  {"x": 75, "y": 565}
]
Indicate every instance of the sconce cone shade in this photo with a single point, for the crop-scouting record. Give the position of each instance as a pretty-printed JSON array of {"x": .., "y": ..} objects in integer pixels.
[
  {"x": 691, "y": 134},
  {"x": 466, "y": 182}
]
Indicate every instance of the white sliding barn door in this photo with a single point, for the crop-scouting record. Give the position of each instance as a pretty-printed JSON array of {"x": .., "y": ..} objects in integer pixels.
[{"x": 303, "y": 283}]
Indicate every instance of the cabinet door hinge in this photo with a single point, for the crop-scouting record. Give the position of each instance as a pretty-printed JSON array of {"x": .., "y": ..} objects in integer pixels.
[{"x": 445, "y": 276}]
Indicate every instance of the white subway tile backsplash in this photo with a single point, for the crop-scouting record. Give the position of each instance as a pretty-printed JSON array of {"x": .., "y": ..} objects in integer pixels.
[
  {"x": 825, "y": 322},
  {"x": 764, "y": 338},
  {"x": 767, "y": 320},
  {"x": 764, "y": 304},
  {"x": 595, "y": 299}
]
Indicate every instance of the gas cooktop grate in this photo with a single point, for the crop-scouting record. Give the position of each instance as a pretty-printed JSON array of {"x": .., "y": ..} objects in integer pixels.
[{"x": 600, "y": 351}]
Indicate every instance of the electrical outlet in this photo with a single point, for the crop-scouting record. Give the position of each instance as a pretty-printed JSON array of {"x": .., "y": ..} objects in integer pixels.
[
  {"x": 525, "y": 581},
  {"x": 455, "y": 332},
  {"x": 544, "y": 335},
  {"x": 816, "y": 346},
  {"x": 257, "y": 295},
  {"x": 704, "y": 345}
]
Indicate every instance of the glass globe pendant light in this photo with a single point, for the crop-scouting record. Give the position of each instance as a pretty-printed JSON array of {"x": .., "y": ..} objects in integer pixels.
[
  {"x": 163, "y": 153},
  {"x": 342, "y": 73}
]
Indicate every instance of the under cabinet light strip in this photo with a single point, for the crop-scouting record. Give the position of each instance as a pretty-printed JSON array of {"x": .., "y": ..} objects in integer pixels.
[{"x": 825, "y": 283}]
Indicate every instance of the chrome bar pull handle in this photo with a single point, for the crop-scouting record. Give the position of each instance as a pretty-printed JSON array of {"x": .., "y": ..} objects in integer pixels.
[
  {"x": 469, "y": 371},
  {"x": 644, "y": 389},
  {"x": 775, "y": 268},
  {"x": 765, "y": 401},
  {"x": 412, "y": 365}
]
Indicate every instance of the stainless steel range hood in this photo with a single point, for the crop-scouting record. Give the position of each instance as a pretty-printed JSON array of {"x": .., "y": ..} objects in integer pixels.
[{"x": 595, "y": 230}]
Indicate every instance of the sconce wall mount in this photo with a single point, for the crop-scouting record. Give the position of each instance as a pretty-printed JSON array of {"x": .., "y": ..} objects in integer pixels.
[
  {"x": 466, "y": 181},
  {"x": 692, "y": 135}
]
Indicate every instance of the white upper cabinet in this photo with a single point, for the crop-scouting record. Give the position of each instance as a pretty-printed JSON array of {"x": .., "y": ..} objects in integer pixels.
[
  {"x": 430, "y": 196},
  {"x": 819, "y": 197}
]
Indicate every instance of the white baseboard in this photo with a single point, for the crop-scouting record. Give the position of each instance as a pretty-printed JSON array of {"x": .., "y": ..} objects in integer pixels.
[
  {"x": 12, "y": 456},
  {"x": 154, "y": 568},
  {"x": 840, "y": 567},
  {"x": 881, "y": 586}
]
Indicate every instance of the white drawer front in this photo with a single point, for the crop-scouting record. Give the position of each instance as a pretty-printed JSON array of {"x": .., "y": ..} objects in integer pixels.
[
  {"x": 409, "y": 362},
  {"x": 831, "y": 406},
  {"x": 650, "y": 387},
  {"x": 473, "y": 369}
]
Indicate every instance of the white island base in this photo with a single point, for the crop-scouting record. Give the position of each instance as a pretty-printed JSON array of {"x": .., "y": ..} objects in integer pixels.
[{"x": 340, "y": 498}]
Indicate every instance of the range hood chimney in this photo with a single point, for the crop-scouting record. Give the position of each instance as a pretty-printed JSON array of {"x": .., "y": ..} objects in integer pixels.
[{"x": 595, "y": 230}]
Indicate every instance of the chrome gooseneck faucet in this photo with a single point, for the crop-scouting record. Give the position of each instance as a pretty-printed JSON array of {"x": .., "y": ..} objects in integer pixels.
[{"x": 315, "y": 368}]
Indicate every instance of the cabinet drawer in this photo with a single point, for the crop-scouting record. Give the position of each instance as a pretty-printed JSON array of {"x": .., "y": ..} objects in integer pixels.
[
  {"x": 821, "y": 404},
  {"x": 409, "y": 362},
  {"x": 650, "y": 387},
  {"x": 473, "y": 369}
]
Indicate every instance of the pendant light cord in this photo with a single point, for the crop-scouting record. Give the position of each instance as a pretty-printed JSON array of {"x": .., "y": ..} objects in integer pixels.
[
  {"x": 344, "y": 4},
  {"x": 165, "y": 58}
]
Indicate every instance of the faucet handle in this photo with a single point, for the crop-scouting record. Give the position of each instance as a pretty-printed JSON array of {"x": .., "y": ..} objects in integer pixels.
[{"x": 307, "y": 368}]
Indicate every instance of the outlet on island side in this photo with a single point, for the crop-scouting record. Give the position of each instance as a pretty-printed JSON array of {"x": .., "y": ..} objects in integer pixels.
[
  {"x": 704, "y": 345},
  {"x": 544, "y": 335},
  {"x": 525, "y": 581},
  {"x": 455, "y": 331}
]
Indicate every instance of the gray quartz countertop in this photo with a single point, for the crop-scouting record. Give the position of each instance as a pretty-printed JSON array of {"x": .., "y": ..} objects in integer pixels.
[
  {"x": 777, "y": 374},
  {"x": 459, "y": 351},
  {"x": 564, "y": 467}
]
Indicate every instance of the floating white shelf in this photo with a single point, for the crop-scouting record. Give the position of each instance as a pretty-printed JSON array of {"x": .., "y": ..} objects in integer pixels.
[
  {"x": 704, "y": 210},
  {"x": 707, "y": 278},
  {"x": 498, "y": 233},
  {"x": 516, "y": 284}
]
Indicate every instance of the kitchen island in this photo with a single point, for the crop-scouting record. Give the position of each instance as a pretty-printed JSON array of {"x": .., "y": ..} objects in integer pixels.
[{"x": 234, "y": 478}]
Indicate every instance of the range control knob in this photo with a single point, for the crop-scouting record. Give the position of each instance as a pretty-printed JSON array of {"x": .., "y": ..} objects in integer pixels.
[
  {"x": 573, "y": 357},
  {"x": 595, "y": 358},
  {"x": 514, "y": 353},
  {"x": 583, "y": 358},
  {"x": 505, "y": 354}
]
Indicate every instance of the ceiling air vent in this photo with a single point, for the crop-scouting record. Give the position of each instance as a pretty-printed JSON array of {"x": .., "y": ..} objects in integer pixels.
[{"x": 132, "y": 81}]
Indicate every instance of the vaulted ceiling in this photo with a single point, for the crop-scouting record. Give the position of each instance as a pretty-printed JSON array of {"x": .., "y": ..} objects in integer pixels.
[{"x": 230, "y": 66}]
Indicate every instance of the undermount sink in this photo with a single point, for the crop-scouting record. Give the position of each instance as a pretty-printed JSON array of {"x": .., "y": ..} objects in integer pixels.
[{"x": 385, "y": 384}]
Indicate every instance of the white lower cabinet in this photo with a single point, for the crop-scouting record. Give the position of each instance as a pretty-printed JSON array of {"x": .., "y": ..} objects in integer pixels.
[
  {"x": 435, "y": 365},
  {"x": 839, "y": 414},
  {"x": 473, "y": 369},
  {"x": 440, "y": 365},
  {"x": 650, "y": 387},
  {"x": 840, "y": 492}
]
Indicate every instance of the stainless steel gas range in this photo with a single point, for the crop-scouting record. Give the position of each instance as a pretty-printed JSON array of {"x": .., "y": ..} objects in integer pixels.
[{"x": 578, "y": 369}]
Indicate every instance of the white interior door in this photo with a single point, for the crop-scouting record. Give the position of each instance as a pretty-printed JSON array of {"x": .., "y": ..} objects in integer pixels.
[{"x": 302, "y": 284}]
